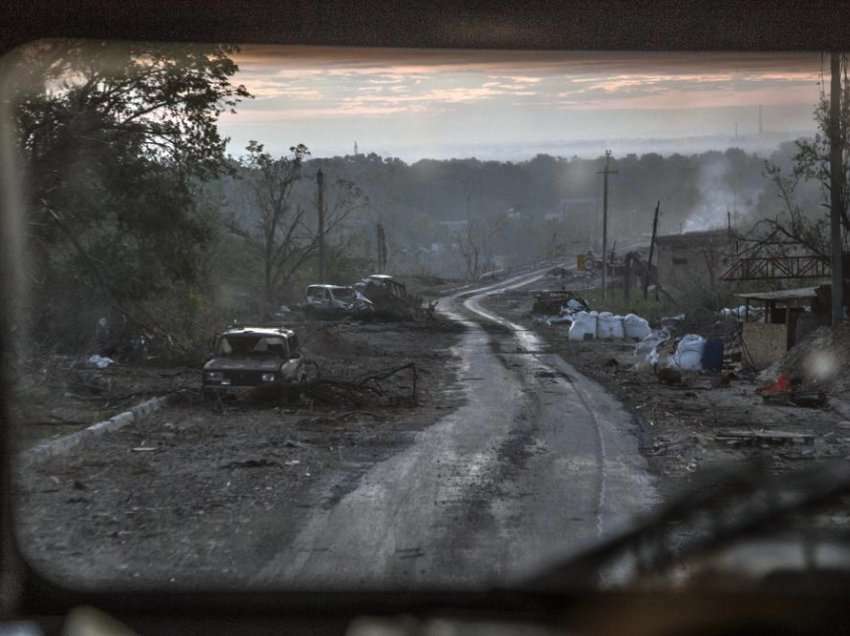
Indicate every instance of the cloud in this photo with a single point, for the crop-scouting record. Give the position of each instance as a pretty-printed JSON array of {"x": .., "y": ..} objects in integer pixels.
[
  {"x": 267, "y": 89},
  {"x": 347, "y": 83},
  {"x": 525, "y": 65}
]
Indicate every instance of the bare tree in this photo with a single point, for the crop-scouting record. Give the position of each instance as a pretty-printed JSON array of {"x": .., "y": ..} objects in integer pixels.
[
  {"x": 473, "y": 245},
  {"x": 282, "y": 234},
  {"x": 794, "y": 223}
]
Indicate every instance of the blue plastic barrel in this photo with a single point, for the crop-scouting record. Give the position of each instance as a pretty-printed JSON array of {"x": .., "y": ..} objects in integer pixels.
[{"x": 712, "y": 355}]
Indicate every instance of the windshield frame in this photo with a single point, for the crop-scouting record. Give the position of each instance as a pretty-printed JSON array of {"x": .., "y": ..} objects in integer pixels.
[{"x": 558, "y": 29}]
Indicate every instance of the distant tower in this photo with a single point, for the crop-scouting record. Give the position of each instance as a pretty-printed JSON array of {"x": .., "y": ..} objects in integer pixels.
[
  {"x": 355, "y": 149},
  {"x": 736, "y": 130},
  {"x": 761, "y": 128}
]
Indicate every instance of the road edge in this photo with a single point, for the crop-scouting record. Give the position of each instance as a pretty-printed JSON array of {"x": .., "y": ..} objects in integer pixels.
[{"x": 73, "y": 440}]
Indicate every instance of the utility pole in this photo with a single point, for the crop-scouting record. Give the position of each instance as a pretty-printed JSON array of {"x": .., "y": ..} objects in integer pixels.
[
  {"x": 761, "y": 128},
  {"x": 836, "y": 178},
  {"x": 651, "y": 250},
  {"x": 605, "y": 172},
  {"x": 320, "y": 183},
  {"x": 382, "y": 248}
]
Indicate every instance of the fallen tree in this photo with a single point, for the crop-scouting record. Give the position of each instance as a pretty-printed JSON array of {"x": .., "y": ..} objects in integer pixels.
[{"x": 365, "y": 391}]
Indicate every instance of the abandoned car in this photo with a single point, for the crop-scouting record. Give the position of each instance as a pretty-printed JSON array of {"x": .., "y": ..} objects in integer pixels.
[
  {"x": 335, "y": 300},
  {"x": 265, "y": 358}
]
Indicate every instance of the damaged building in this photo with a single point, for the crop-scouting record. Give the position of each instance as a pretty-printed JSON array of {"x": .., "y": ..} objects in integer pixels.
[{"x": 695, "y": 258}]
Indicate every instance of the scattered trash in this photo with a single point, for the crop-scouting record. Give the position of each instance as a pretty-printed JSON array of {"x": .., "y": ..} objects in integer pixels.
[
  {"x": 144, "y": 449},
  {"x": 646, "y": 350},
  {"x": 100, "y": 362},
  {"x": 780, "y": 386},
  {"x": 557, "y": 302},
  {"x": 574, "y": 305}
]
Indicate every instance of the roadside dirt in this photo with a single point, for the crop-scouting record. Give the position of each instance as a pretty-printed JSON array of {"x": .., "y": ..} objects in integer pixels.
[
  {"x": 63, "y": 394},
  {"x": 212, "y": 495},
  {"x": 698, "y": 425}
]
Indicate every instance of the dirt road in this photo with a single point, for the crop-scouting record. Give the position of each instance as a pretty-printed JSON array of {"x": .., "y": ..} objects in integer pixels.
[
  {"x": 511, "y": 459},
  {"x": 538, "y": 463}
]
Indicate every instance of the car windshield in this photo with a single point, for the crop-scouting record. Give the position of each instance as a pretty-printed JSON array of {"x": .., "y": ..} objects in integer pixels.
[
  {"x": 316, "y": 293},
  {"x": 252, "y": 345},
  {"x": 584, "y": 279}
]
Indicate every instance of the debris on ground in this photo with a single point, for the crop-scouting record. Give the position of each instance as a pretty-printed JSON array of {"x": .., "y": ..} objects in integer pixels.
[
  {"x": 668, "y": 375},
  {"x": 99, "y": 362},
  {"x": 557, "y": 303},
  {"x": 250, "y": 463},
  {"x": 772, "y": 437},
  {"x": 819, "y": 362},
  {"x": 694, "y": 399},
  {"x": 215, "y": 477}
]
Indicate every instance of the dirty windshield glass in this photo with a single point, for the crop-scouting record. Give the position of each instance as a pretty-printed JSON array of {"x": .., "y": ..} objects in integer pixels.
[
  {"x": 345, "y": 294},
  {"x": 247, "y": 345},
  {"x": 585, "y": 282}
]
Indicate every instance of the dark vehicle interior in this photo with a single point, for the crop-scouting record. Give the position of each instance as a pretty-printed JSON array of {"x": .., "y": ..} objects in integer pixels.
[
  {"x": 567, "y": 598},
  {"x": 253, "y": 345}
]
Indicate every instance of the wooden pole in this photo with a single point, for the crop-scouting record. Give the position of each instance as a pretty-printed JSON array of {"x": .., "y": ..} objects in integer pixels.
[
  {"x": 651, "y": 250},
  {"x": 836, "y": 178},
  {"x": 605, "y": 172},
  {"x": 320, "y": 183}
]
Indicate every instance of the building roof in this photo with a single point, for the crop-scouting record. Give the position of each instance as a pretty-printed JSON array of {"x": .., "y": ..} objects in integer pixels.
[
  {"x": 800, "y": 293},
  {"x": 258, "y": 331}
]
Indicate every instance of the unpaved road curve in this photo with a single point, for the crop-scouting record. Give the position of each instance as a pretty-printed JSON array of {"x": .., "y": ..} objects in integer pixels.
[{"x": 539, "y": 462}]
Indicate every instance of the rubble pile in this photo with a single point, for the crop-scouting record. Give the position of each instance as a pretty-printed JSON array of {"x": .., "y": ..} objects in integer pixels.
[{"x": 821, "y": 360}]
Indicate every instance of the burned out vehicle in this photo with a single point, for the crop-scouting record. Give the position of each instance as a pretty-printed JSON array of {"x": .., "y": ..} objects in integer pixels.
[
  {"x": 335, "y": 300},
  {"x": 391, "y": 299},
  {"x": 267, "y": 359}
]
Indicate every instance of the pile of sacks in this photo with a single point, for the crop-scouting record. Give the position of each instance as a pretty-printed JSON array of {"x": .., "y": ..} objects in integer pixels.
[
  {"x": 740, "y": 313},
  {"x": 687, "y": 354},
  {"x": 590, "y": 325}
]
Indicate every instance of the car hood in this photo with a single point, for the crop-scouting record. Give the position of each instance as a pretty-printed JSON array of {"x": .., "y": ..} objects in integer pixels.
[{"x": 236, "y": 363}]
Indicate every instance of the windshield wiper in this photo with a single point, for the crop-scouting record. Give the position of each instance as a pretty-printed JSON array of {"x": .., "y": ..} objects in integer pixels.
[{"x": 739, "y": 503}]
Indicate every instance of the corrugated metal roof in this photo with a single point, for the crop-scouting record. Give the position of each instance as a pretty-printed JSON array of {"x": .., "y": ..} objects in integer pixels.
[
  {"x": 258, "y": 331},
  {"x": 782, "y": 294}
]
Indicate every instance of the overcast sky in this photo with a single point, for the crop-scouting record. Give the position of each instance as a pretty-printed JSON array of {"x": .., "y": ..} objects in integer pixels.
[{"x": 415, "y": 104}]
